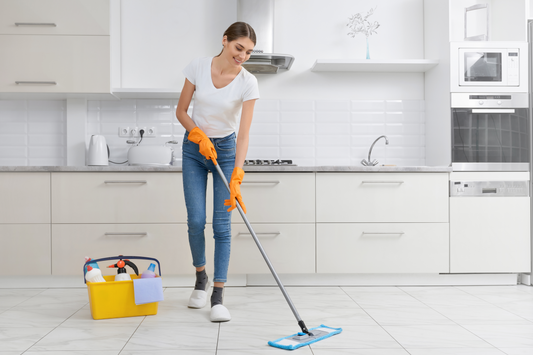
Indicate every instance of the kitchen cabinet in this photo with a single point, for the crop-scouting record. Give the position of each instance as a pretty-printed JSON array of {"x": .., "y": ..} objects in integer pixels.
[
  {"x": 144, "y": 25},
  {"x": 54, "y": 17},
  {"x": 25, "y": 223},
  {"x": 382, "y": 223},
  {"x": 289, "y": 246},
  {"x": 108, "y": 214},
  {"x": 382, "y": 197},
  {"x": 281, "y": 209},
  {"x": 25, "y": 198},
  {"x": 55, "y": 48},
  {"x": 166, "y": 242},
  {"x": 274, "y": 198},
  {"x": 117, "y": 198},
  {"x": 54, "y": 64},
  {"x": 25, "y": 249},
  {"x": 382, "y": 248}
]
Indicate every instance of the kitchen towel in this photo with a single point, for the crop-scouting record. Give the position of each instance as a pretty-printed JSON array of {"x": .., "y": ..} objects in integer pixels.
[{"x": 148, "y": 290}]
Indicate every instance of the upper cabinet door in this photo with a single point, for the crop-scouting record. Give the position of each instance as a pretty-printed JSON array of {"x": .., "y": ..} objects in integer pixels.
[
  {"x": 54, "y": 64},
  {"x": 54, "y": 17},
  {"x": 159, "y": 38}
]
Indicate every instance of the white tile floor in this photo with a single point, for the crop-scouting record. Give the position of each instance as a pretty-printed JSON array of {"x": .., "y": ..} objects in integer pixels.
[{"x": 477, "y": 320}]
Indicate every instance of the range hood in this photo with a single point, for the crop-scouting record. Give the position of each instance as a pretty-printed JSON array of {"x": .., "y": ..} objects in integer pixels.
[{"x": 260, "y": 15}]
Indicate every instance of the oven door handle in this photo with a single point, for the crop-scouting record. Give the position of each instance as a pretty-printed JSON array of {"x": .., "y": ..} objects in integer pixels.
[{"x": 493, "y": 110}]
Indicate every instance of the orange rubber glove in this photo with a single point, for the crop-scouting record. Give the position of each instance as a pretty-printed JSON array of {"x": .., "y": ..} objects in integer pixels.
[
  {"x": 206, "y": 147},
  {"x": 235, "y": 190}
]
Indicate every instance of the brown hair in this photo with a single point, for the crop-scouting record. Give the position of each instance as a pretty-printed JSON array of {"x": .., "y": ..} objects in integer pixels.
[{"x": 238, "y": 30}]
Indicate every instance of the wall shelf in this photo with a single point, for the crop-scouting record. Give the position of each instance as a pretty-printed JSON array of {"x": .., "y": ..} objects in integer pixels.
[{"x": 374, "y": 65}]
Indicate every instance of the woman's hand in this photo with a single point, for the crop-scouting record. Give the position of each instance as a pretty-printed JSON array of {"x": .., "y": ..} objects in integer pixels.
[
  {"x": 206, "y": 146},
  {"x": 235, "y": 190}
]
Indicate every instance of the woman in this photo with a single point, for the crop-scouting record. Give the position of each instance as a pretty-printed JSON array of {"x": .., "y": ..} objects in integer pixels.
[{"x": 224, "y": 93}]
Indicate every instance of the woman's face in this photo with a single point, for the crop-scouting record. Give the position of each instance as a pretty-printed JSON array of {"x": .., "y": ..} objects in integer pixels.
[{"x": 237, "y": 51}]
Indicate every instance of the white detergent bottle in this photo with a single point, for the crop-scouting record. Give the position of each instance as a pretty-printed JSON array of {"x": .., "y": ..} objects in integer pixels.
[
  {"x": 93, "y": 275},
  {"x": 149, "y": 273}
]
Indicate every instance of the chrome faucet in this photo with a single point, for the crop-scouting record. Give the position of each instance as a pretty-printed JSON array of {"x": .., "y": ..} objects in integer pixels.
[{"x": 375, "y": 162}]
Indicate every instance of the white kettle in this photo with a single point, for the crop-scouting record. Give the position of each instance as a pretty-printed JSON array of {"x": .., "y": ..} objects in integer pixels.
[{"x": 98, "y": 151}]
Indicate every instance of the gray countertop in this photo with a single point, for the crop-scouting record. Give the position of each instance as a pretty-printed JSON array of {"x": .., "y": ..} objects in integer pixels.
[{"x": 262, "y": 169}]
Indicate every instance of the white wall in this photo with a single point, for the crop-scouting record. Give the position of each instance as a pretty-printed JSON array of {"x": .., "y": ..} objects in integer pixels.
[{"x": 316, "y": 29}]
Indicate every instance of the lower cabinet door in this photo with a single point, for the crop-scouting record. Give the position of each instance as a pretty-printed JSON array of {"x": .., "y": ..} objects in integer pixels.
[
  {"x": 25, "y": 249},
  {"x": 382, "y": 247},
  {"x": 166, "y": 242},
  {"x": 290, "y": 248}
]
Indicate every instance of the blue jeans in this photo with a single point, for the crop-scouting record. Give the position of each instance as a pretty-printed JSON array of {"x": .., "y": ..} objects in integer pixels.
[{"x": 195, "y": 169}]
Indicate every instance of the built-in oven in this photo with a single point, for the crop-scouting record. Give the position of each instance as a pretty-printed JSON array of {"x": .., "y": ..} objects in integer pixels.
[{"x": 490, "y": 131}]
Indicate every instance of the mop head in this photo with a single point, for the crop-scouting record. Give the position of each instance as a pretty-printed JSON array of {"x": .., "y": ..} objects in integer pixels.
[{"x": 298, "y": 340}]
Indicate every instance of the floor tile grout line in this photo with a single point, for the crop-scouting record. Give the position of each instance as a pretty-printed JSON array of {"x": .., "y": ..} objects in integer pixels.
[
  {"x": 131, "y": 336},
  {"x": 493, "y": 304},
  {"x": 364, "y": 310},
  {"x": 218, "y": 338},
  {"x": 460, "y": 325},
  {"x": 27, "y": 299},
  {"x": 54, "y": 328}
]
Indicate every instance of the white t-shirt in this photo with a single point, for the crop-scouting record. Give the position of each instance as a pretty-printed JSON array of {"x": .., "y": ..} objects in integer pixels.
[{"x": 217, "y": 112}]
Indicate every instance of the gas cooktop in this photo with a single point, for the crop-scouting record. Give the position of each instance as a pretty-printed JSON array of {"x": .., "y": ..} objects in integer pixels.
[{"x": 268, "y": 162}]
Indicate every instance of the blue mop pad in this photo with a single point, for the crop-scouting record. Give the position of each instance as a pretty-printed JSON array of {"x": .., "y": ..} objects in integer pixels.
[{"x": 298, "y": 340}]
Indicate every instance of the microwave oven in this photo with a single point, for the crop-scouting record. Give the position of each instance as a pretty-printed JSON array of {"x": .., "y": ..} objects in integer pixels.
[{"x": 489, "y": 66}]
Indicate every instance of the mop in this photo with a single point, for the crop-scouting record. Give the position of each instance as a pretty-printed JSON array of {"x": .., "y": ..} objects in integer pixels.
[{"x": 306, "y": 336}]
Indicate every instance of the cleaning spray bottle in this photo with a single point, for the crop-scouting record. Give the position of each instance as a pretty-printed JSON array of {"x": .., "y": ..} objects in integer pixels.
[
  {"x": 122, "y": 274},
  {"x": 149, "y": 273}
]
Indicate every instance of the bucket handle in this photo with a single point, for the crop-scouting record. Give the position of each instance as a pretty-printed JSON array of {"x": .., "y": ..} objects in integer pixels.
[{"x": 119, "y": 257}]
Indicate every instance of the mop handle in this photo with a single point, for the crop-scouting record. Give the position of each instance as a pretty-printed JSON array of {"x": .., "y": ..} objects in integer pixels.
[{"x": 265, "y": 256}]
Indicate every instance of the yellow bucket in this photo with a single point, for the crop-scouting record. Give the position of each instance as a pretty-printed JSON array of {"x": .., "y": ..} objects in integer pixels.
[{"x": 115, "y": 299}]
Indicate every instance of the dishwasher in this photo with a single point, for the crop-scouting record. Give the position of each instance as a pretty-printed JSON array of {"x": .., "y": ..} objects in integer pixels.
[{"x": 490, "y": 227}]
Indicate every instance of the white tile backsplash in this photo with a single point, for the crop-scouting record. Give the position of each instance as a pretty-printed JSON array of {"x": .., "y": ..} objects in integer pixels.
[
  {"x": 332, "y": 105},
  {"x": 32, "y": 132},
  {"x": 297, "y": 105},
  {"x": 329, "y": 116},
  {"x": 368, "y": 105},
  {"x": 311, "y": 132}
]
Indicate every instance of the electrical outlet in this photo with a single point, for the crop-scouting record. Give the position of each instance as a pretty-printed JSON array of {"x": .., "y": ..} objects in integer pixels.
[
  {"x": 124, "y": 132},
  {"x": 133, "y": 132},
  {"x": 149, "y": 132}
]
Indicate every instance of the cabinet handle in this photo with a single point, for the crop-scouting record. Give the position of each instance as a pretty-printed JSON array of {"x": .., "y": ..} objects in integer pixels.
[
  {"x": 273, "y": 234},
  {"x": 261, "y": 182},
  {"x": 125, "y": 182},
  {"x": 142, "y": 234},
  {"x": 493, "y": 110},
  {"x": 49, "y": 24},
  {"x": 35, "y": 82},
  {"x": 383, "y": 233},
  {"x": 382, "y": 182}
]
